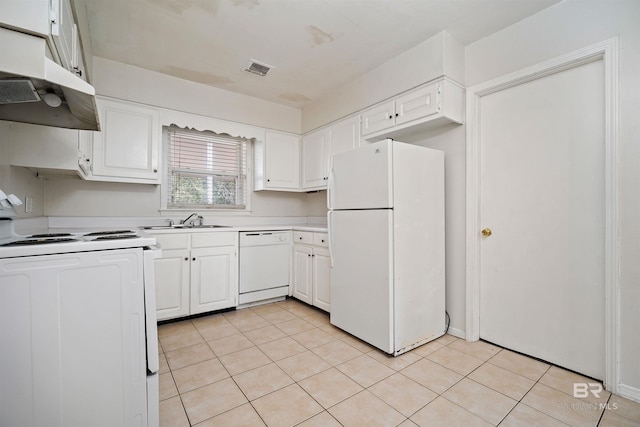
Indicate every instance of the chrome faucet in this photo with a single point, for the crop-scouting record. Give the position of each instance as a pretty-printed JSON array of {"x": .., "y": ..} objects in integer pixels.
[{"x": 192, "y": 219}]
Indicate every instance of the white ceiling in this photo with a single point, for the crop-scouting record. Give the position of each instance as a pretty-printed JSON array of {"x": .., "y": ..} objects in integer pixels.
[{"x": 315, "y": 46}]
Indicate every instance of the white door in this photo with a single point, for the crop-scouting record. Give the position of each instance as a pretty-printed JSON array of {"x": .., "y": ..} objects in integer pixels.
[
  {"x": 362, "y": 274},
  {"x": 542, "y": 198},
  {"x": 362, "y": 178}
]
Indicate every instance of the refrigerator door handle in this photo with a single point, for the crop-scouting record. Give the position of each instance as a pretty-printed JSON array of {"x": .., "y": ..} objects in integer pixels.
[
  {"x": 330, "y": 238},
  {"x": 330, "y": 186}
]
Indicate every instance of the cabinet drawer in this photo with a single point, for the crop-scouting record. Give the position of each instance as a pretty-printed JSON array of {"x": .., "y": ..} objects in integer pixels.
[
  {"x": 303, "y": 237},
  {"x": 321, "y": 239},
  {"x": 172, "y": 241},
  {"x": 207, "y": 240}
]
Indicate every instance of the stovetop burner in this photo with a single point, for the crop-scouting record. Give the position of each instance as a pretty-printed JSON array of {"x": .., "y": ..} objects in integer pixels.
[
  {"x": 13, "y": 244},
  {"x": 116, "y": 237},
  {"x": 104, "y": 233},
  {"x": 45, "y": 241},
  {"x": 47, "y": 235}
]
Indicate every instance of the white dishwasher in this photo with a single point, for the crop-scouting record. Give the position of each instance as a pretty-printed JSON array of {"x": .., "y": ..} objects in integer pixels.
[{"x": 265, "y": 258}]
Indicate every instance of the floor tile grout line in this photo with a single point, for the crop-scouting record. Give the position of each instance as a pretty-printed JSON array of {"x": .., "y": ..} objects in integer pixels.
[
  {"x": 395, "y": 370},
  {"x": 521, "y": 398},
  {"x": 288, "y": 375}
]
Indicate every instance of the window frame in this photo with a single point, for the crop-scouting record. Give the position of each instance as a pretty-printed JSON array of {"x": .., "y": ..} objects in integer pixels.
[{"x": 165, "y": 189}]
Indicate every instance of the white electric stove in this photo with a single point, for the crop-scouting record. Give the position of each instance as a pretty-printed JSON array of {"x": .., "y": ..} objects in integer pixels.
[
  {"x": 78, "y": 331},
  {"x": 15, "y": 245}
]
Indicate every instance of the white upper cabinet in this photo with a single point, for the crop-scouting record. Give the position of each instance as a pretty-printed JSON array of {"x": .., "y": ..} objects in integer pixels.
[
  {"x": 48, "y": 149},
  {"x": 277, "y": 162},
  {"x": 418, "y": 104},
  {"x": 315, "y": 160},
  {"x": 430, "y": 106},
  {"x": 318, "y": 147},
  {"x": 31, "y": 16},
  {"x": 345, "y": 134},
  {"x": 64, "y": 31},
  {"x": 378, "y": 118},
  {"x": 127, "y": 149},
  {"x": 50, "y": 19}
]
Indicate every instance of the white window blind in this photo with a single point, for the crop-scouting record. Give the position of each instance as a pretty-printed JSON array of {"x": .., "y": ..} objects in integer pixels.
[{"x": 206, "y": 169}]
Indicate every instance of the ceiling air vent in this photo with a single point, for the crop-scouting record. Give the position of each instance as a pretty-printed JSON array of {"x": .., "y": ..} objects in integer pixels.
[{"x": 258, "y": 68}]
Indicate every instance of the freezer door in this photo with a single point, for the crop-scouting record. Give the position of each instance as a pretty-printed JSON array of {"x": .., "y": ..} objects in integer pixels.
[
  {"x": 362, "y": 178},
  {"x": 362, "y": 274}
]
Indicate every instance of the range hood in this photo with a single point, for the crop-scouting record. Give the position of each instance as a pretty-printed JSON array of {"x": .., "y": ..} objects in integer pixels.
[{"x": 31, "y": 85}]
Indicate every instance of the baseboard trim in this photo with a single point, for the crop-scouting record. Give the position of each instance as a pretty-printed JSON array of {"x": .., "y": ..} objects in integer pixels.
[
  {"x": 629, "y": 392},
  {"x": 456, "y": 332}
]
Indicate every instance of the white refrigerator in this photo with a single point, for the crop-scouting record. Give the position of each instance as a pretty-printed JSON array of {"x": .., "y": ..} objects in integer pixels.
[{"x": 386, "y": 225}]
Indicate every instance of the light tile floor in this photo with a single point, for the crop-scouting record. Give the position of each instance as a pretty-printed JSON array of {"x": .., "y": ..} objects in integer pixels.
[{"x": 283, "y": 364}]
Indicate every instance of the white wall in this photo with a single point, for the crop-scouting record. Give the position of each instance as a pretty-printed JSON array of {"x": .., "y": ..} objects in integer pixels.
[
  {"x": 438, "y": 55},
  {"x": 565, "y": 27},
  {"x": 74, "y": 197},
  {"x": 17, "y": 180},
  {"x": 131, "y": 83},
  {"x": 451, "y": 140}
]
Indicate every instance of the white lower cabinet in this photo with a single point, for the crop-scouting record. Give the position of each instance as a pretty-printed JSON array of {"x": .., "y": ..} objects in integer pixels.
[
  {"x": 172, "y": 283},
  {"x": 311, "y": 265},
  {"x": 302, "y": 273},
  {"x": 197, "y": 273},
  {"x": 214, "y": 279}
]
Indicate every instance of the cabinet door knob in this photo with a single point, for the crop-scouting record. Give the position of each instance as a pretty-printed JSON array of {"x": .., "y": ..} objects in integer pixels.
[
  {"x": 186, "y": 258},
  {"x": 193, "y": 259}
]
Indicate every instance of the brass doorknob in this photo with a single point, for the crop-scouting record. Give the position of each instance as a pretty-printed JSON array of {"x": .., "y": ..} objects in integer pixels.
[{"x": 486, "y": 232}]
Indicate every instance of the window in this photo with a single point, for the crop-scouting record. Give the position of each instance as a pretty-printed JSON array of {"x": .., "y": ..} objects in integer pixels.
[{"x": 206, "y": 170}]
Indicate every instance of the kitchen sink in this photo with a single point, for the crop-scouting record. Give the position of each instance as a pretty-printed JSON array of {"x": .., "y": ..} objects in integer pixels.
[{"x": 181, "y": 226}]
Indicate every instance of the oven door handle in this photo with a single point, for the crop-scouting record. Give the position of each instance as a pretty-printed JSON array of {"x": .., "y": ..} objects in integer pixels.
[{"x": 151, "y": 322}]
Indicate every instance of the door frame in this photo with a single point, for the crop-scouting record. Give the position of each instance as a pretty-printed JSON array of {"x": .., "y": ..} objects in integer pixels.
[{"x": 607, "y": 51}]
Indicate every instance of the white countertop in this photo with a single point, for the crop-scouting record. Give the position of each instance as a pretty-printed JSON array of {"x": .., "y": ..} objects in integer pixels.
[{"x": 257, "y": 227}]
